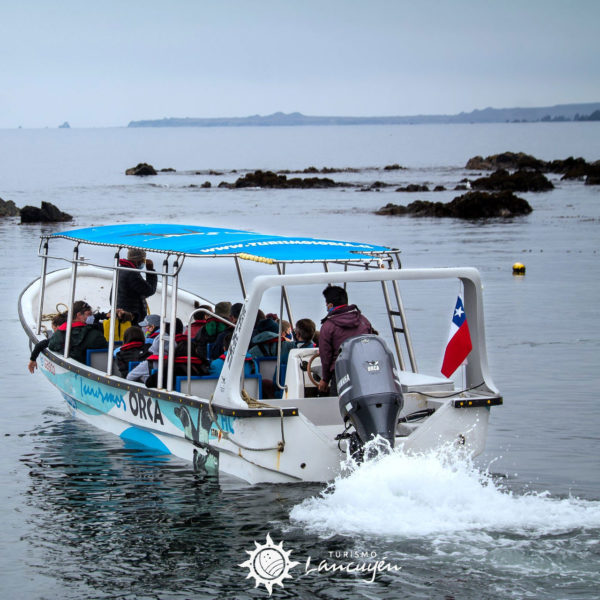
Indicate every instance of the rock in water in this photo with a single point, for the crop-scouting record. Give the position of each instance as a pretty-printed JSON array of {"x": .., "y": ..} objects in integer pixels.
[
  {"x": 522, "y": 180},
  {"x": 506, "y": 160},
  {"x": 141, "y": 170},
  {"x": 8, "y": 208},
  {"x": 473, "y": 205},
  {"x": 48, "y": 213}
]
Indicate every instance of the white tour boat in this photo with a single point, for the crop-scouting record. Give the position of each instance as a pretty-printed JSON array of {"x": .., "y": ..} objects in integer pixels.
[{"x": 223, "y": 424}]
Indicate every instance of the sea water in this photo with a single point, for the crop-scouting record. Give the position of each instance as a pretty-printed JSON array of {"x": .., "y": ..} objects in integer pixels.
[{"x": 88, "y": 516}]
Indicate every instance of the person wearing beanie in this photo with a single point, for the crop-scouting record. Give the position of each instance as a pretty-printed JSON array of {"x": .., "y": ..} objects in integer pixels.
[
  {"x": 209, "y": 333},
  {"x": 133, "y": 289}
]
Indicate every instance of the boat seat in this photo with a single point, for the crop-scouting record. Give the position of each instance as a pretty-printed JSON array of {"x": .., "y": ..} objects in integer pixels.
[
  {"x": 267, "y": 365},
  {"x": 204, "y": 385},
  {"x": 97, "y": 358},
  {"x": 415, "y": 382}
]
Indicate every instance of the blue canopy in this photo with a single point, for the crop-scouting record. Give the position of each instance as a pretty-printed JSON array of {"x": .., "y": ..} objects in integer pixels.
[{"x": 213, "y": 241}]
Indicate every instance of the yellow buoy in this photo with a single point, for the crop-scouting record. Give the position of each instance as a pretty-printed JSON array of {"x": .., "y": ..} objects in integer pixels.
[{"x": 518, "y": 269}]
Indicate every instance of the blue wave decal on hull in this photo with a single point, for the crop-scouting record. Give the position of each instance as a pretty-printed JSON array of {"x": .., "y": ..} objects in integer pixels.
[
  {"x": 144, "y": 438},
  {"x": 91, "y": 392}
]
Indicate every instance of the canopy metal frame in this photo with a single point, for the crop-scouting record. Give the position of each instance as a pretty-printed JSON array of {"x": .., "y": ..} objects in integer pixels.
[{"x": 387, "y": 259}]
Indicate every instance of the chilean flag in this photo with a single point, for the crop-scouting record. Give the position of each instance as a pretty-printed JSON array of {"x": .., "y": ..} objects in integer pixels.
[{"x": 459, "y": 342}]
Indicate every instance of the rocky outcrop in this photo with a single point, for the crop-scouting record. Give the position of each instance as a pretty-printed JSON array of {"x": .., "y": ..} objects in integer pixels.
[
  {"x": 141, "y": 170},
  {"x": 48, "y": 213},
  {"x": 413, "y": 187},
  {"x": 8, "y": 208},
  {"x": 473, "y": 205},
  {"x": 268, "y": 179},
  {"x": 522, "y": 180},
  {"x": 571, "y": 168},
  {"x": 505, "y": 160}
]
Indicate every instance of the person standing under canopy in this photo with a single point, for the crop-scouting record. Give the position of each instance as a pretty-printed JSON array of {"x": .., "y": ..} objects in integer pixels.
[{"x": 133, "y": 289}]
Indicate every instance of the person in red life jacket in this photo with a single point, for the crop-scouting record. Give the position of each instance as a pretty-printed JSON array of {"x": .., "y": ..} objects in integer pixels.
[
  {"x": 151, "y": 327},
  {"x": 83, "y": 336},
  {"x": 147, "y": 371},
  {"x": 134, "y": 349},
  {"x": 143, "y": 371},
  {"x": 216, "y": 365},
  {"x": 343, "y": 321},
  {"x": 200, "y": 319},
  {"x": 209, "y": 333},
  {"x": 57, "y": 321},
  {"x": 133, "y": 289}
]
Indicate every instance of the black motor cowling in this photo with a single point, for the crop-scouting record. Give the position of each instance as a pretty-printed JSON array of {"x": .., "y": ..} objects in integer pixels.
[{"x": 368, "y": 387}]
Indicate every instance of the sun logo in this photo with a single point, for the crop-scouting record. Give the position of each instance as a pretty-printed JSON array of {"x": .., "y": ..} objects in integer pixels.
[{"x": 269, "y": 564}]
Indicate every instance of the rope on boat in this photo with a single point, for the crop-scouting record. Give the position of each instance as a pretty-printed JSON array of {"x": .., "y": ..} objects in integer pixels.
[
  {"x": 50, "y": 316},
  {"x": 252, "y": 403}
]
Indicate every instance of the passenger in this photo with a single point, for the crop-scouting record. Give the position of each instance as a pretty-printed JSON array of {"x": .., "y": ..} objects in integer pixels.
[
  {"x": 200, "y": 319},
  {"x": 286, "y": 331},
  {"x": 123, "y": 322},
  {"x": 343, "y": 321},
  {"x": 260, "y": 316},
  {"x": 216, "y": 366},
  {"x": 144, "y": 369},
  {"x": 133, "y": 289},
  {"x": 134, "y": 349},
  {"x": 209, "y": 333},
  {"x": 217, "y": 347},
  {"x": 147, "y": 371},
  {"x": 305, "y": 330},
  {"x": 264, "y": 340},
  {"x": 57, "y": 321},
  {"x": 83, "y": 336},
  {"x": 151, "y": 327}
]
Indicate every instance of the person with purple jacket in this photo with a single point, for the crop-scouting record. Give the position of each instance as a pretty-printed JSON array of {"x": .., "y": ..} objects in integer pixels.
[{"x": 343, "y": 321}]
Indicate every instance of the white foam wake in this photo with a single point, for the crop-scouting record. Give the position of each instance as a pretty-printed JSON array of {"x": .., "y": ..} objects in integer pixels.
[{"x": 437, "y": 493}]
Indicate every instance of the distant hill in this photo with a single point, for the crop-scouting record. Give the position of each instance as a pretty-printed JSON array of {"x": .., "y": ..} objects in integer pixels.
[{"x": 560, "y": 112}]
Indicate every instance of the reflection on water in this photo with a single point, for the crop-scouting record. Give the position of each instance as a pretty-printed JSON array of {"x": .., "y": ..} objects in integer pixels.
[{"x": 111, "y": 517}]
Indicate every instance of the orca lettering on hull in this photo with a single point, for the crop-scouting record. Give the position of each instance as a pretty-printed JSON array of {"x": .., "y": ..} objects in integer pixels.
[{"x": 145, "y": 408}]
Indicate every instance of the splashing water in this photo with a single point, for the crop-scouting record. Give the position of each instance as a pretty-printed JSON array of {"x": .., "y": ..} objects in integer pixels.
[{"x": 440, "y": 492}]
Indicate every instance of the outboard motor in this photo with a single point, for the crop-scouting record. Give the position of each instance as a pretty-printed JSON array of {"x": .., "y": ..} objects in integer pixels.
[{"x": 369, "y": 390}]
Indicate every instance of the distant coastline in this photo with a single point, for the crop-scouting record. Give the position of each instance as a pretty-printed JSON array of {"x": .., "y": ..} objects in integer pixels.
[{"x": 559, "y": 113}]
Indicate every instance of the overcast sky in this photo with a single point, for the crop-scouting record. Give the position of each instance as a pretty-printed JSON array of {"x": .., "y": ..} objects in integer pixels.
[{"x": 105, "y": 63}]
